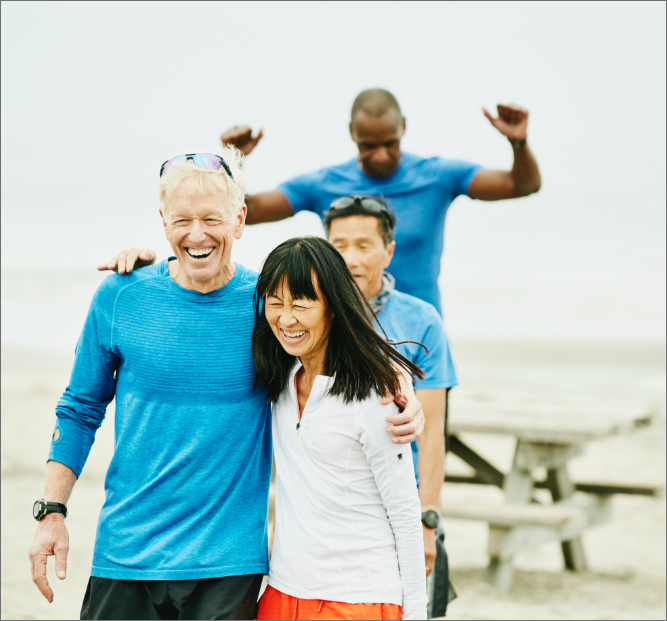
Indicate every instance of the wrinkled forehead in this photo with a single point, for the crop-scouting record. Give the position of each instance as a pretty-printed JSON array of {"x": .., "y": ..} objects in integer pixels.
[{"x": 188, "y": 197}]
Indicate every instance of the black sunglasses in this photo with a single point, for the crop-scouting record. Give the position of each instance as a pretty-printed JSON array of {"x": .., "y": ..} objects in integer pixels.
[{"x": 375, "y": 205}]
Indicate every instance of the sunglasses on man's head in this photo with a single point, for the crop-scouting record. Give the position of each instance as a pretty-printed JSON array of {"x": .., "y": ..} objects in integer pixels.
[
  {"x": 200, "y": 160},
  {"x": 369, "y": 203}
]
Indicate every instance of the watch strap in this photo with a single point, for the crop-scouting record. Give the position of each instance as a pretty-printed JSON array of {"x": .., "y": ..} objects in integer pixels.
[
  {"x": 518, "y": 144},
  {"x": 46, "y": 507}
]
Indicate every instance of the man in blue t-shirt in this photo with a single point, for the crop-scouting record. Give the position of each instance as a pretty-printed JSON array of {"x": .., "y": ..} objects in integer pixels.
[
  {"x": 362, "y": 230},
  {"x": 419, "y": 190}
]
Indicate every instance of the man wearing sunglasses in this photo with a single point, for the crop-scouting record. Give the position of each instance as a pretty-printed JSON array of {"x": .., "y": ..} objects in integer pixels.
[
  {"x": 182, "y": 533},
  {"x": 361, "y": 228},
  {"x": 420, "y": 190}
]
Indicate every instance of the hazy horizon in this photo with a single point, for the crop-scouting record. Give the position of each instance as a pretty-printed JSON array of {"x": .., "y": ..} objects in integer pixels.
[{"x": 96, "y": 95}]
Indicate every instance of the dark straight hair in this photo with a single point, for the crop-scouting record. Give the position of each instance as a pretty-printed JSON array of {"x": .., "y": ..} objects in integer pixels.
[{"x": 356, "y": 353}]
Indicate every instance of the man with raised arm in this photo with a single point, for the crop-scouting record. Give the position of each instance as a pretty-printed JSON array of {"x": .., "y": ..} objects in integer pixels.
[{"x": 419, "y": 190}]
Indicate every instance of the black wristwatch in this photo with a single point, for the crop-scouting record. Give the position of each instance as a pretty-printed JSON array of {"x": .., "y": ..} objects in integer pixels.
[
  {"x": 518, "y": 144},
  {"x": 430, "y": 518},
  {"x": 42, "y": 508}
]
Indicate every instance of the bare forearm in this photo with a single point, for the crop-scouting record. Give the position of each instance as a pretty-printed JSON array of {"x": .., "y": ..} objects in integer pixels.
[
  {"x": 267, "y": 207},
  {"x": 525, "y": 172},
  {"x": 431, "y": 467},
  {"x": 432, "y": 447},
  {"x": 59, "y": 482}
]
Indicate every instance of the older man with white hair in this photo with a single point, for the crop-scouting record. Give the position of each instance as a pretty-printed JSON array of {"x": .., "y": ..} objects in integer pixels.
[{"x": 182, "y": 533}]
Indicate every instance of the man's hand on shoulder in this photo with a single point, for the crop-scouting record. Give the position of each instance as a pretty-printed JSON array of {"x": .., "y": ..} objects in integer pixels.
[
  {"x": 51, "y": 539},
  {"x": 409, "y": 423},
  {"x": 240, "y": 136},
  {"x": 512, "y": 121},
  {"x": 127, "y": 260}
]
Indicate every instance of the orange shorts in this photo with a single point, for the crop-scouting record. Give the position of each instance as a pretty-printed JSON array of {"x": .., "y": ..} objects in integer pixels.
[{"x": 276, "y": 605}]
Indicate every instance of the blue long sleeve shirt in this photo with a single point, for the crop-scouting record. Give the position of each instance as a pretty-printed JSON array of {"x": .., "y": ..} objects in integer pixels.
[{"x": 187, "y": 487}]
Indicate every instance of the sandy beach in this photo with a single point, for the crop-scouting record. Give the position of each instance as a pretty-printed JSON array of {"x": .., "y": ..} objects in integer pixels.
[{"x": 626, "y": 578}]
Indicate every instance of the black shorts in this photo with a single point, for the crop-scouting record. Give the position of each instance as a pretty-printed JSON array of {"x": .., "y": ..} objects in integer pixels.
[{"x": 231, "y": 597}]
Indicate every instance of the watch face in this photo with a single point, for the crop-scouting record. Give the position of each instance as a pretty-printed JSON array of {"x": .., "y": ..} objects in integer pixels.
[
  {"x": 36, "y": 509},
  {"x": 430, "y": 519}
]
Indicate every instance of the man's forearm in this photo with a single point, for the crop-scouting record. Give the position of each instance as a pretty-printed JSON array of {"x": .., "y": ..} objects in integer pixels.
[
  {"x": 267, "y": 207},
  {"x": 525, "y": 172},
  {"x": 431, "y": 467},
  {"x": 432, "y": 448},
  {"x": 59, "y": 482}
]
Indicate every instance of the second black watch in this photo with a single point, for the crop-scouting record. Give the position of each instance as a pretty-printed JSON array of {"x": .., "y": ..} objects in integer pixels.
[{"x": 431, "y": 518}]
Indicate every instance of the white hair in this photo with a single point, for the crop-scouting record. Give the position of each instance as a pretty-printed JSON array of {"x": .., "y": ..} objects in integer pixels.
[{"x": 208, "y": 180}]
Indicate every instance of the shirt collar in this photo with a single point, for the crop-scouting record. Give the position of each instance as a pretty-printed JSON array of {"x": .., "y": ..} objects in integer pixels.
[
  {"x": 381, "y": 299},
  {"x": 320, "y": 388}
]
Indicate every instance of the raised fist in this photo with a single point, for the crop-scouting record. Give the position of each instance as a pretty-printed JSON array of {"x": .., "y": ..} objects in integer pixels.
[{"x": 241, "y": 137}]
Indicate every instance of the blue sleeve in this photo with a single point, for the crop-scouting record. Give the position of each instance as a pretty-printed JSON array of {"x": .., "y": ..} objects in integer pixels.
[
  {"x": 437, "y": 365},
  {"x": 457, "y": 175},
  {"x": 81, "y": 409},
  {"x": 300, "y": 191}
]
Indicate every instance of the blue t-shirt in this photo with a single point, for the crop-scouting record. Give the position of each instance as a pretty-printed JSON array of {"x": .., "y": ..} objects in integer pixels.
[
  {"x": 405, "y": 318},
  {"x": 187, "y": 488},
  {"x": 419, "y": 192}
]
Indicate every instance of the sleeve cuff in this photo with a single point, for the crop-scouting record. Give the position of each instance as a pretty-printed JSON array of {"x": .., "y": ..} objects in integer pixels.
[{"x": 73, "y": 444}]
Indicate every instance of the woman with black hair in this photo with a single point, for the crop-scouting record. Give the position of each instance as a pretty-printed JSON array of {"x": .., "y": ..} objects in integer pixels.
[{"x": 348, "y": 540}]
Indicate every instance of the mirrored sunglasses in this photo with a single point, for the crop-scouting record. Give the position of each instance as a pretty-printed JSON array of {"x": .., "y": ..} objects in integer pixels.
[{"x": 201, "y": 160}]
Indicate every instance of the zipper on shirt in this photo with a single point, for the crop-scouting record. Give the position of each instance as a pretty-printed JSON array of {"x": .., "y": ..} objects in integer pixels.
[{"x": 400, "y": 467}]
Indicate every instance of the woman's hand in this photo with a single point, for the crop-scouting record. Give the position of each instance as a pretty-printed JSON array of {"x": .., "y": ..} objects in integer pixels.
[
  {"x": 409, "y": 423},
  {"x": 127, "y": 260}
]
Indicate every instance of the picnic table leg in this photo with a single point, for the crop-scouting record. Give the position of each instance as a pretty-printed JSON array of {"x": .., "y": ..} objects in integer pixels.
[
  {"x": 518, "y": 486},
  {"x": 562, "y": 487}
]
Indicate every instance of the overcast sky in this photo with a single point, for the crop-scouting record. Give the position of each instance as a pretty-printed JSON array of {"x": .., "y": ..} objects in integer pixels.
[{"x": 96, "y": 95}]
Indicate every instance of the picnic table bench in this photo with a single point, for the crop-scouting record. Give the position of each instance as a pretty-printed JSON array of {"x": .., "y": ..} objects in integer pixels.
[{"x": 548, "y": 436}]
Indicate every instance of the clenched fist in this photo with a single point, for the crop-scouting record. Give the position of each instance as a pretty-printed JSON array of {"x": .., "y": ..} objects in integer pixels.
[
  {"x": 512, "y": 121},
  {"x": 241, "y": 137}
]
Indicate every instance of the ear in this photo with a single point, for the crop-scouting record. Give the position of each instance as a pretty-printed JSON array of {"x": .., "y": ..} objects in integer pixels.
[
  {"x": 240, "y": 221},
  {"x": 352, "y": 132},
  {"x": 390, "y": 253},
  {"x": 403, "y": 124},
  {"x": 164, "y": 224}
]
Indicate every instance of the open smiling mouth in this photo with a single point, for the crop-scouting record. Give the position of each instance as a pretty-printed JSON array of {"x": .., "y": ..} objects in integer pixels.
[
  {"x": 293, "y": 336},
  {"x": 200, "y": 253}
]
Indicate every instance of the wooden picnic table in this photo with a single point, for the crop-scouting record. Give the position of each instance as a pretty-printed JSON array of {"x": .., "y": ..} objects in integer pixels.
[{"x": 547, "y": 437}]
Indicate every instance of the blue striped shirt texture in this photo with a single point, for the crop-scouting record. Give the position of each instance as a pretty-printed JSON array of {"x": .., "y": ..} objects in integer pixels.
[{"x": 187, "y": 487}]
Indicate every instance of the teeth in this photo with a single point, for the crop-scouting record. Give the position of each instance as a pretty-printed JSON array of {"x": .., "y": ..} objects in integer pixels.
[
  {"x": 294, "y": 334},
  {"x": 200, "y": 252}
]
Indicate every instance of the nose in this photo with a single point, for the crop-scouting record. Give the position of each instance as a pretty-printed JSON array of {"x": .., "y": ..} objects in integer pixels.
[
  {"x": 351, "y": 258},
  {"x": 286, "y": 318},
  {"x": 196, "y": 233},
  {"x": 380, "y": 156}
]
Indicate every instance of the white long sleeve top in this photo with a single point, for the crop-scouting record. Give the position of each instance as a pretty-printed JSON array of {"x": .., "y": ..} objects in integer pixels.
[{"x": 348, "y": 518}]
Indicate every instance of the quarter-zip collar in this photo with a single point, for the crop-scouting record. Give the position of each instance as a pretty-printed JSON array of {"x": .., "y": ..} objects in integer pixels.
[{"x": 321, "y": 386}]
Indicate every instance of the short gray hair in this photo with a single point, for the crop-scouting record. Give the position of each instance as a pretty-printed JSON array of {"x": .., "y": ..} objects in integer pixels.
[{"x": 209, "y": 180}]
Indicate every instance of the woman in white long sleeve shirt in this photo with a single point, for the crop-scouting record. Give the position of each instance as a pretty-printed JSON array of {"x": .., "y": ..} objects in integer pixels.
[{"x": 348, "y": 541}]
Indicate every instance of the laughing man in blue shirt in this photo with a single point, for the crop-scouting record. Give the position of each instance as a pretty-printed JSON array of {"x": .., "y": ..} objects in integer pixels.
[{"x": 182, "y": 533}]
